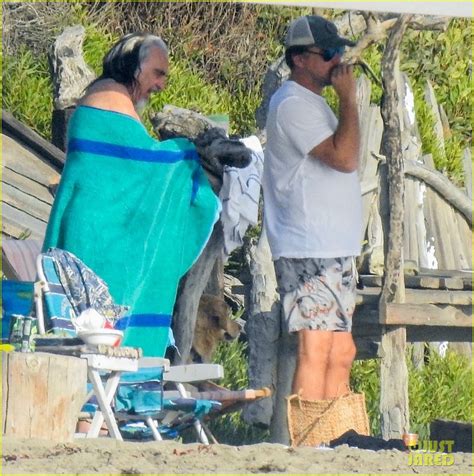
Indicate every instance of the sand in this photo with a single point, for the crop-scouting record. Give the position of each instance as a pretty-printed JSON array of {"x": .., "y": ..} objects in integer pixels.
[{"x": 107, "y": 456}]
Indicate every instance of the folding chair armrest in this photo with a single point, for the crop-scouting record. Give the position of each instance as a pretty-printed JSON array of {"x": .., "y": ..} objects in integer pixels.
[
  {"x": 111, "y": 364},
  {"x": 147, "y": 362},
  {"x": 193, "y": 373}
]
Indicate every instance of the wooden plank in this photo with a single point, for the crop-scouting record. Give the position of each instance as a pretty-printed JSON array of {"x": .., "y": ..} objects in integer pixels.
[
  {"x": 438, "y": 334},
  {"x": 431, "y": 230},
  {"x": 30, "y": 138},
  {"x": 371, "y": 280},
  {"x": 375, "y": 239},
  {"x": 25, "y": 202},
  {"x": 439, "y": 279},
  {"x": 467, "y": 167},
  {"x": 432, "y": 103},
  {"x": 457, "y": 239},
  {"x": 15, "y": 222},
  {"x": 446, "y": 273},
  {"x": 369, "y": 297},
  {"x": 434, "y": 282},
  {"x": 427, "y": 314},
  {"x": 45, "y": 393},
  {"x": 416, "y": 333},
  {"x": 464, "y": 231},
  {"x": 410, "y": 235},
  {"x": 27, "y": 185},
  {"x": 424, "y": 282},
  {"x": 25, "y": 163},
  {"x": 446, "y": 246},
  {"x": 437, "y": 296}
]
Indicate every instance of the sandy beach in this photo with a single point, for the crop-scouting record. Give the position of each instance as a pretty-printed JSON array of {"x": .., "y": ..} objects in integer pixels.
[{"x": 107, "y": 456}]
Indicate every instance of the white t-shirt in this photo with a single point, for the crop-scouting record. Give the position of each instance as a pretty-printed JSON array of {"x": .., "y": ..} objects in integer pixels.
[{"x": 310, "y": 209}]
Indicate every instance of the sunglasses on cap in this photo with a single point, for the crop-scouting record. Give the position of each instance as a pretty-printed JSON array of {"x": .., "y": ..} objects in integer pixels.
[{"x": 328, "y": 53}]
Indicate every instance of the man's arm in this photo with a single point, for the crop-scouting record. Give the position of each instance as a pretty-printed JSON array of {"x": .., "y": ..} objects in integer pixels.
[{"x": 341, "y": 150}]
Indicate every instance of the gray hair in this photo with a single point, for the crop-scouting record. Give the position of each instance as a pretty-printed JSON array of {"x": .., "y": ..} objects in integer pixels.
[{"x": 123, "y": 62}]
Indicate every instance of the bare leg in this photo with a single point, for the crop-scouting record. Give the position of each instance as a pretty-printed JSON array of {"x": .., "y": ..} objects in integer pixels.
[
  {"x": 341, "y": 356},
  {"x": 314, "y": 348}
]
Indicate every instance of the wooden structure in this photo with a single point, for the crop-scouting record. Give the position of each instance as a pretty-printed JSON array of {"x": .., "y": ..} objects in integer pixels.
[
  {"x": 31, "y": 169},
  {"x": 42, "y": 395}
]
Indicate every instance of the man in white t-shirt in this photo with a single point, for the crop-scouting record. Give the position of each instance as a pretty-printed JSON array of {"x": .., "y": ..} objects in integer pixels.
[{"x": 313, "y": 210}]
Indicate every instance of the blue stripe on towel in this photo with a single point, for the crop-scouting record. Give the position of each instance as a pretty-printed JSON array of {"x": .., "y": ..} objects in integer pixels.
[
  {"x": 195, "y": 185},
  {"x": 130, "y": 153},
  {"x": 144, "y": 320}
]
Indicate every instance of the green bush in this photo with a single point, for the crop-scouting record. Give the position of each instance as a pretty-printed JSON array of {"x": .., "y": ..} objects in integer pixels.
[
  {"x": 27, "y": 90},
  {"x": 230, "y": 428},
  {"x": 441, "y": 389},
  {"x": 443, "y": 58}
]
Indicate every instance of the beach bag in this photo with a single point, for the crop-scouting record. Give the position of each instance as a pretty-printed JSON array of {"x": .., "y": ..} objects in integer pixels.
[{"x": 316, "y": 422}]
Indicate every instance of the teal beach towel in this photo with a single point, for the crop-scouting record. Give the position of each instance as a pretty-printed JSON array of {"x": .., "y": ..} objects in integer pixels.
[{"x": 137, "y": 211}]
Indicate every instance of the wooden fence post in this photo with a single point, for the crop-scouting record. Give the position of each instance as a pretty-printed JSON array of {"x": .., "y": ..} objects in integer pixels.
[{"x": 394, "y": 375}]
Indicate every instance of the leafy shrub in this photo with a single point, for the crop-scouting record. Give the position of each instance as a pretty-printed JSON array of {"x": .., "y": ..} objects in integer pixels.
[
  {"x": 445, "y": 60},
  {"x": 441, "y": 389},
  {"x": 365, "y": 377},
  {"x": 230, "y": 428},
  {"x": 27, "y": 90}
]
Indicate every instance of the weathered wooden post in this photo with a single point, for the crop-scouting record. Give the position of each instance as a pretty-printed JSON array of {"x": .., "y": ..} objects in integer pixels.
[
  {"x": 263, "y": 330},
  {"x": 70, "y": 75},
  {"x": 394, "y": 374}
]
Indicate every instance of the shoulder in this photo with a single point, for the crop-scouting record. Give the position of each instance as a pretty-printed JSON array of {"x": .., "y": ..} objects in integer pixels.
[{"x": 109, "y": 95}]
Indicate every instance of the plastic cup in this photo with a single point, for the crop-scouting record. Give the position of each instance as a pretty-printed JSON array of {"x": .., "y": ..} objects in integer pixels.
[{"x": 410, "y": 439}]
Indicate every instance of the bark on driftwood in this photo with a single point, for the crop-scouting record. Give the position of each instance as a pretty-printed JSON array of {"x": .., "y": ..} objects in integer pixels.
[
  {"x": 215, "y": 150},
  {"x": 441, "y": 184},
  {"x": 190, "y": 290},
  {"x": 394, "y": 375},
  {"x": 263, "y": 330}
]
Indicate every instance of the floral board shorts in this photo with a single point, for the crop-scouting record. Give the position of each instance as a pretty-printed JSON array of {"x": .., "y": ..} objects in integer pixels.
[{"x": 317, "y": 293}]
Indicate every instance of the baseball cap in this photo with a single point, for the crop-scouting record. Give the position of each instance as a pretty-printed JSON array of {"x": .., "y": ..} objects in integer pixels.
[{"x": 314, "y": 30}]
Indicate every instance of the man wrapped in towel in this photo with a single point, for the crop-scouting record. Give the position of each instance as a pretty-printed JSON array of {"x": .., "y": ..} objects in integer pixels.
[{"x": 137, "y": 211}]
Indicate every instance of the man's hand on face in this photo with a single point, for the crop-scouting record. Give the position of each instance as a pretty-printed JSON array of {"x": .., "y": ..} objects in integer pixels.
[{"x": 344, "y": 82}]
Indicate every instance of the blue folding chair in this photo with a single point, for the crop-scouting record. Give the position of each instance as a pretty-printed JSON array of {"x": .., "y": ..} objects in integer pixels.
[{"x": 68, "y": 286}]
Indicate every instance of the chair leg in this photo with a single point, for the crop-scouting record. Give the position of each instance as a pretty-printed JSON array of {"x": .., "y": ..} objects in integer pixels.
[
  {"x": 104, "y": 397},
  {"x": 153, "y": 427},
  {"x": 201, "y": 434}
]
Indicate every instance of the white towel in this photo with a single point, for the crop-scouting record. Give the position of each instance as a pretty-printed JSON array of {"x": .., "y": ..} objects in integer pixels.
[{"x": 240, "y": 194}]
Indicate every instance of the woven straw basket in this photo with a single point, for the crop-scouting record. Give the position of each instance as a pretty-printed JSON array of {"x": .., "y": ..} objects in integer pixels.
[{"x": 313, "y": 422}]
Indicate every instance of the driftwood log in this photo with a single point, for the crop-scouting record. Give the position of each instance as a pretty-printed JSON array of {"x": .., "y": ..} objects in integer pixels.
[
  {"x": 393, "y": 399},
  {"x": 70, "y": 76},
  {"x": 263, "y": 331},
  {"x": 215, "y": 151},
  {"x": 441, "y": 184}
]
